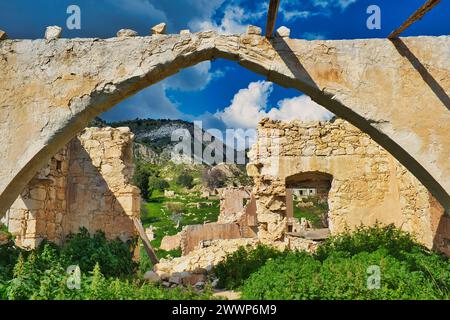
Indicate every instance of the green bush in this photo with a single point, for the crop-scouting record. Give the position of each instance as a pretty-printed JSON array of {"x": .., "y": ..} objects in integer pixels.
[
  {"x": 185, "y": 180},
  {"x": 114, "y": 257},
  {"x": 340, "y": 270},
  {"x": 142, "y": 173},
  {"x": 156, "y": 184},
  {"x": 239, "y": 265},
  {"x": 41, "y": 273},
  {"x": 369, "y": 239}
]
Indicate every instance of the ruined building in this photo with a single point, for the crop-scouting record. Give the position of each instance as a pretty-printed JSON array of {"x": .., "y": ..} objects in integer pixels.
[
  {"x": 87, "y": 184},
  {"x": 363, "y": 182}
]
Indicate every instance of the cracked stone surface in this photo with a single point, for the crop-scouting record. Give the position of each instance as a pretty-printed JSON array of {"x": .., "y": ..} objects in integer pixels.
[{"x": 395, "y": 92}]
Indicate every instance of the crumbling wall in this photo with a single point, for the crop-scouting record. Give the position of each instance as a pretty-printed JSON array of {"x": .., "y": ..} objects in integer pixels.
[
  {"x": 87, "y": 184},
  {"x": 237, "y": 219},
  {"x": 38, "y": 212},
  {"x": 368, "y": 184},
  {"x": 100, "y": 192},
  {"x": 194, "y": 234}
]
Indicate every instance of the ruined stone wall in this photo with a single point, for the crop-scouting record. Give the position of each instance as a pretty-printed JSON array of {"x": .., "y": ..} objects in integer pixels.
[
  {"x": 87, "y": 184},
  {"x": 194, "y": 234},
  {"x": 38, "y": 212},
  {"x": 368, "y": 184}
]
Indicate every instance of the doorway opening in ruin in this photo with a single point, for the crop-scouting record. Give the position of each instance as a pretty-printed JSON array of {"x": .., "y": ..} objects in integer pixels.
[{"x": 307, "y": 199}]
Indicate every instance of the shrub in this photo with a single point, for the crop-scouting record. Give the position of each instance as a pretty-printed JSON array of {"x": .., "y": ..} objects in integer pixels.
[
  {"x": 185, "y": 180},
  {"x": 156, "y": 184},
  {"x": 41, "y": 273},
  {"x": 369, "y": 239},
  {"x": 142, "y": 173},
  {"x": 115, "y": 258},
  {"x": 240, "y": 264},
  {"x": 339, "y": 270}
]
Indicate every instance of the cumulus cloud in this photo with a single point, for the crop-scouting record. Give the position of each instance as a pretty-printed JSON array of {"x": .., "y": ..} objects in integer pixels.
[
  {"x": 234, "y": 21},
  {"x": 153, "y": 102},
  {"x": 249, "y": 105},
  {"x": 301, "y": 108}
]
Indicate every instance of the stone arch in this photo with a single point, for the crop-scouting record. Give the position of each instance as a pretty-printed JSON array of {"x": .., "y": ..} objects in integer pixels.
[{"x": 49, "y": 90}]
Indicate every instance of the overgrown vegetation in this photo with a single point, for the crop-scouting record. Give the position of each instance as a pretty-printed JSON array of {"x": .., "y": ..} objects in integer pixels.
[
  {"x": 185, "y": 180},
  {"x": 341, "y": 269},
  {"x": 107, "y": 272}
]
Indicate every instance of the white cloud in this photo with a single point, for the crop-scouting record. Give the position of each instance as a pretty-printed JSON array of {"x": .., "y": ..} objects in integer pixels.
[
  {"x": 248, "y": 107},
  {"x": 153, "y": 101},
  {"x": 300, "y": 108},
  {"x": 291, "y": 15},
  {"x": 231, "y": 23}
]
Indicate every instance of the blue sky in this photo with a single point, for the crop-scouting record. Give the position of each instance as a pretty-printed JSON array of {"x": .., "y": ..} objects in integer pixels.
[{"x": 220, "y": 93}]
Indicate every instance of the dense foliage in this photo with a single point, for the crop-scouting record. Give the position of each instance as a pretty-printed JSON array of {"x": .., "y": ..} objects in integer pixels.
[
  {"x": 240, "y": 264},
  {"x": 107, "y": 272},
  {"x": 156, "y": 183},
  {"x": 185, "y": 180},
  {"x": 343, "y": 268},
  {"x": 142, "y": 173}
]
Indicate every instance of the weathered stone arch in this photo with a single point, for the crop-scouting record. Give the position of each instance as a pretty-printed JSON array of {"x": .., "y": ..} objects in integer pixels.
[{"x": 395, "y": 92}]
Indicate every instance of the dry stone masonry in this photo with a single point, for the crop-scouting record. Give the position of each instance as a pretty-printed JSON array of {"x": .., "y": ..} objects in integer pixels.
[
  {"x": 367, "y": 184},
  {"x": 87, "y": 184},
  {"x": 396, "y": 91}
]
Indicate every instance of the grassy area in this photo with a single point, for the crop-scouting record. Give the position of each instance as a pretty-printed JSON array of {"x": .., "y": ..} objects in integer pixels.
[
  {"x": 314, "y": 213},
  {"x": 164, "y": 213}
]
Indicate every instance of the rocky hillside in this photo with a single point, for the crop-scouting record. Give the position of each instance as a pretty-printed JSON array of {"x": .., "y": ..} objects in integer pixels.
[{"x": 153, "y": 138}]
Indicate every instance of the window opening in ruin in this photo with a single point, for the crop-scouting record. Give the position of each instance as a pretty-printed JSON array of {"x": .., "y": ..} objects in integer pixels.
[
  {"x": 59, "y": 166},
  {"x": 307, "y": 193}
]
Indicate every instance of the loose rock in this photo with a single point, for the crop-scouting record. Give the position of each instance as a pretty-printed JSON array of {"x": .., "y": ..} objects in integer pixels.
[
  {"x": 53, "y": 32},
  {"x": 159, "y": 29},
  {"x": 126, "y": 33}
]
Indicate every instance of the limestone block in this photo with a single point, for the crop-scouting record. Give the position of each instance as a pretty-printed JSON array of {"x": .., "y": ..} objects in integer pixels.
[
  {"x": 171, "y": 242},
  {"x": 3, "y": 35},
  {"x": 39, "y": 194},
  {"x": 159, "y": 29},
  {"x": 283, "y": 32},
  {"x": 185, "y": 32},
  {"x": 53, "y": 32},
  {"x": 126, "y": 33},
  {"x": 152, "y": 277},
  {"x": 254, "y": 30}
]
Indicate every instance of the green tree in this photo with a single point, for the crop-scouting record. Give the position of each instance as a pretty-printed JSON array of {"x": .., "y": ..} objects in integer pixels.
[
  {"x": 156, "y": 184},
  {"x": 185, "y": 180},
  {"x": 142, "y": 174}
]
